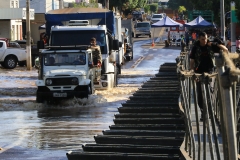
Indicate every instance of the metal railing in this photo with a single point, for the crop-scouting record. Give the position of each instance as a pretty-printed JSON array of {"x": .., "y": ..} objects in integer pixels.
[{"x": 220, "y": 109}]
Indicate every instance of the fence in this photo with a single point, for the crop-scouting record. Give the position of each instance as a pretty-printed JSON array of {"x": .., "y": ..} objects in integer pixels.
[{"x": 220, "y": 97}]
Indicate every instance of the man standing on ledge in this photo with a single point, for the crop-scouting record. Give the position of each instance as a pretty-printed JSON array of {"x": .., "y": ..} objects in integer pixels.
[{"x": 202, "y": 60}]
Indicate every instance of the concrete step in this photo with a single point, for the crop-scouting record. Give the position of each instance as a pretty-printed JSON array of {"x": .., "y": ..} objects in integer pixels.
[
  {"x": 171, "y": 120},
  {"x": 162, "y": 133},
  {"x": 148, "y": 127},
  {"x": 138, "y": 140},
  {"x": 119, "y": 156}
]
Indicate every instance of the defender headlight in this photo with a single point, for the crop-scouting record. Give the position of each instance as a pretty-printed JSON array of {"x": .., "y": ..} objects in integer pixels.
[
  {"x": 104, "y": 84},
  {"x": 48, "y": 82},
  {"x": 74, "y": 81}
]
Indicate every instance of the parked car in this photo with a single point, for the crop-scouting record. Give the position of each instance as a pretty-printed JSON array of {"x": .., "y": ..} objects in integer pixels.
[
  {"x": 137, "y": 16},
  {"x": 156, "y": 17},
  {"x": 142, "y": 28},
  {"x": 34, "y": 50},
  {"x": 22, "y": 43},
  {"x": 11, "y": 56}
]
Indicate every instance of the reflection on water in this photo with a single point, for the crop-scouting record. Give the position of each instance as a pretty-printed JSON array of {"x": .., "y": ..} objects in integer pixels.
[{"x": 66, "y": 125}]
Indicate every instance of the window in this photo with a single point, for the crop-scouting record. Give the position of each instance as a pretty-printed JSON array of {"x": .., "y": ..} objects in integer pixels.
[
  {"x": 12, "y": 4},
  {"x": 16, "y": 4},
  {"x": 65, "y": 59}
]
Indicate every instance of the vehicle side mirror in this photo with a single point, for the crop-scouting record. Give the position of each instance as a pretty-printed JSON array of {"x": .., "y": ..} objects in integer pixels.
[
  {"x": 110, "y": 40},
  {"x": 115, "y": 44}
]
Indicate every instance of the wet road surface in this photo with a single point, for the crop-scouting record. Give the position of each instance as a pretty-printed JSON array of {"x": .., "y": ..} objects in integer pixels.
[{"x": 32, "y": 131}]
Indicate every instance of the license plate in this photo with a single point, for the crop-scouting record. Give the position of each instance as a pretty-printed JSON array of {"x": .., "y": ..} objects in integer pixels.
[{"x": 59, "y": 94}]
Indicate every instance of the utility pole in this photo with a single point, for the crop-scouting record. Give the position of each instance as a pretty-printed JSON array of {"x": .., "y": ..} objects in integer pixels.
[
  {"x": 107, "y": 4},
  {"x": 222, "y": 20},
  {"x": 60, "y": 4},
  {"x": 28, "y": 45}
]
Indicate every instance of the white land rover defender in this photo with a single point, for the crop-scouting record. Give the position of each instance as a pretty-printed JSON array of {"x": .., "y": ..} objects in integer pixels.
[{"x": 65, "y": 72}]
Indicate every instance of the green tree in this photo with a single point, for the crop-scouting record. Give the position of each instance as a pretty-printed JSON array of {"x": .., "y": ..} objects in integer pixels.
[
  {"x": 141, "y": 3},
  {"x": 153, "y": 7},
  {"x": 181, "y": 9},
  {"x": 238, "y": 10},
  {"x": 147, "y": 9},
  {"x": 173, "y": 4}
]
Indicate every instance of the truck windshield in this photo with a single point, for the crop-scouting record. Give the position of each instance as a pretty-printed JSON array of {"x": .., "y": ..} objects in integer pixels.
[
  {"x": 78, "y": 37},
  {"x": 66, "y": 59}
]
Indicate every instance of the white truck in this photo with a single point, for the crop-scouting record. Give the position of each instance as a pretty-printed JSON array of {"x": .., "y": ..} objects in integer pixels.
[
  {"x": 55, "y": 81},
  {"x": 10, "y": 57}
]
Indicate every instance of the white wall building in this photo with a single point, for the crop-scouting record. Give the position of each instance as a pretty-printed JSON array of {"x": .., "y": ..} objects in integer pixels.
[{"x": 11, "y": 19}]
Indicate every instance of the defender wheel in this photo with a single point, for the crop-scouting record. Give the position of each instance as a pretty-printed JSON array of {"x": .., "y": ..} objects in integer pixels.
[
  {"x": 39, "y": 99},
  {"x": 91, "y": 89}
]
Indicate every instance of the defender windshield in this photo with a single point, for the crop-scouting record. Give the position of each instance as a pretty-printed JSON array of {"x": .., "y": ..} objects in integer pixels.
[
  {"x": 79, "y": 37},
  {"x": 66, "y": 59}
]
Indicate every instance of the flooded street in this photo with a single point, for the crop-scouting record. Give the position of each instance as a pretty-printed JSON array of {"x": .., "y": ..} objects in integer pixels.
[{"x": 31, "y": 130}]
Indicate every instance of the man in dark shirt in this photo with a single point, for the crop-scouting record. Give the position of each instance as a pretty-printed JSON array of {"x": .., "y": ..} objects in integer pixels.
[{"x": 201, "y": 60}]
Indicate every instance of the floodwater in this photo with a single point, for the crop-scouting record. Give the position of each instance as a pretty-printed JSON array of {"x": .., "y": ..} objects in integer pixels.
[{"x": 34, "y": 131}]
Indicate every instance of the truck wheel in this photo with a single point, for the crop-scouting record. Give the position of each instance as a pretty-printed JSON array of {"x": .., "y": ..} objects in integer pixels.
[
  {"x": 118, "y": 68},
  {"x": 128, "y": 58},
  {"x": 10, "y": 62},
  {"x": 115, "y": 78}
]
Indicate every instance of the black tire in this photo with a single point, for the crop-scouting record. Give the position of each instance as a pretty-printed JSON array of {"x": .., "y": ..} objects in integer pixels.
[
  {"x": 137, "y": 35},
  {"x": 119, "y": 69},
  {"x": 91, "y": 87},
  {"x": 39, "y": 98},
  {"x": 115, "y": 78},
  {"x": 150, "y": 35},
  {"x": 132, "y": 34},
  {"x": 128, "y": 58},
  {"x": 10, "y": 62}
]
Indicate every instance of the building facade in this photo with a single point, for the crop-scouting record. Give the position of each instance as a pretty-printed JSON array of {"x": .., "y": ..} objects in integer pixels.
[{"x": 11, "y": 19}]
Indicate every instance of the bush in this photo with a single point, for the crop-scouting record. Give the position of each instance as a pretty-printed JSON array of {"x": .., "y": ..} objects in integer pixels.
[{"x": 153, "y": 7}]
